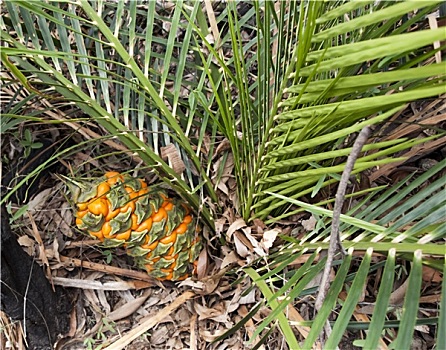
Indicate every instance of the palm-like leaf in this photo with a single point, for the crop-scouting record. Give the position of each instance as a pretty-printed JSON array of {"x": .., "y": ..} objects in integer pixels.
[
  {"x": 312, "y": 90},
  {"x": 310, "y": 94},
  {"x": 390, "y": 211},
  {"x": 92, "y": 63}
]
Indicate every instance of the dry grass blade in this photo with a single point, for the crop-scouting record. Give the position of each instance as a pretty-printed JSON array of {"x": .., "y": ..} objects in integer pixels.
[
  {"x": 11, "y": 335},
  {"x": 42, "y": 255},
  {"x": 212, "y": 21},
  {"x": 193, "y": 334},
  {"x": 150, "y": 323}
]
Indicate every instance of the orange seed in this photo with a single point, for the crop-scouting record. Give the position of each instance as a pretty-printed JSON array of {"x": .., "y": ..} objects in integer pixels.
[
  {"x": 98, "y": 206},
  {"x": 145, "y": 225},
  {"x": 159, "y": 215},
  {"x": 125, "y": 235},
  {"x": 103, "y": 189}
]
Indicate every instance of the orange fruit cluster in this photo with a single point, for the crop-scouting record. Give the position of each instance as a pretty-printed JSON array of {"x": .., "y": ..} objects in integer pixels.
[{"x": 159, "y": 232}]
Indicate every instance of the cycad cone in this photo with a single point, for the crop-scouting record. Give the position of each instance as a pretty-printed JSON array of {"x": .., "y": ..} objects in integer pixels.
[{"x": 159, "y": 232}]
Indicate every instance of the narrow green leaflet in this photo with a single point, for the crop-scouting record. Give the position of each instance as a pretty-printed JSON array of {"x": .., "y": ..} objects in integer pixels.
[
  {"x": 283, "y": 322},
  {"x": 382, "y": 301},
  {"x": 329, "y": 302},
  {"x": 411, "y": 305},
  {"x": 441, "y": 328},
  {"x": 351, "y": 302}
]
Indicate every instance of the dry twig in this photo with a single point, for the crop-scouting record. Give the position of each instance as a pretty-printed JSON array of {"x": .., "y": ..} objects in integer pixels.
[
  {"x": 139, "y": 275},
  {"x": 335, "y": 240}
]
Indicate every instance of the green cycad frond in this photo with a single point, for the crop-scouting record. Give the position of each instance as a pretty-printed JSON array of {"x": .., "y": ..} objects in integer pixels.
[
  {"x": 317, "y": 75},
  {"x": 382, "y": 217},
  {"x": 310, "y": 115},
  {"x": 375, "y": 225},
  {"x": 99, "y": 56}
]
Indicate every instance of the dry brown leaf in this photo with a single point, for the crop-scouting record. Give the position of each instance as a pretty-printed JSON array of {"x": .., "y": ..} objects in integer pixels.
[
  {"x": 11, "y": 334},
  {"x": 223, "y": 146},
  {"x": 249, "y": 298},
  {"x": 258, "y": 226},
  {"x": 150, "y": 323},
  {"x": 210, "y": 336},
  {"x": 417, "y": 150},
  {"x": 228, "y": 168},
  {"x": 303, "y": 259},
  {"x": 431, "y": 275},
  {"x": 62, "y": 221},
  {"x": 222, "y": 187},
  {"x": 309, "y": 224},
  {"x": 249, "y": 326},
  {"x": 361, "y": 317},
  {"x": 229, "y": 259},
  {"x": 242, "y": 245},
  {"x": 236, "y": 225},
  {"x": 182, "y": 318},
  {"x": 92, "y": 298},
  {"x": 206, "y": 145},
  {"x": 103, "y": 301},
  {"x": 397, "y": 296},
  {"x": 128, "y": 308},
  {"x": 430, "y": 299},
  {"x": 212, "y": 282},
  {"x": 159, "y": 335},
  {"x": 80, "y": 158},
  {"x": 40, "y": 200},
  {"x": 294, "y": 316},
  {"x": 27, "y": 243},
  {"x": 422, "y": 328},
  {"x": 168, "y": 296},
  {"x": 202, "y": 264},
  {"x": 268, "y": 239},
  {"x": 225, "y": 175},
  {"x": 256, "y": 247},
  {"x": 196, "y": 285},
  {"x": 316, "y": 281},
  {"x": 153, "y": 300},
  {"x": 171, "y": 154},
  {"x": 367, "y": 309},
  {"x": 230, "y": 305},
  {"x": 218, "y": 315},
  {"x": 49, "y": 253},
  {"x": 55, "y": 250},
  {"x": 219, "y": 225},
  {"x": 81, "y": 316},
  {"x": 73, "y": 323}
]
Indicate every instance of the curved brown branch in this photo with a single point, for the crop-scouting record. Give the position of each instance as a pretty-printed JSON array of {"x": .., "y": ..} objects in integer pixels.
[{"x": 335, "y": 245}]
